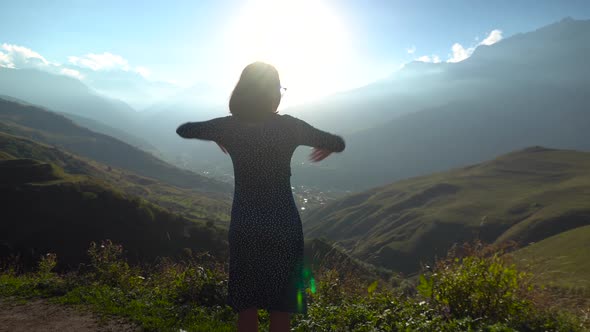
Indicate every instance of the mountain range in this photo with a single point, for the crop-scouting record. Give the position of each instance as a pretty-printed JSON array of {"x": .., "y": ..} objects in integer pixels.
[
  {"x": 65, "y": 94},
  {"x": 51, "y": 128},
  {"x": 527, "y": 89}
]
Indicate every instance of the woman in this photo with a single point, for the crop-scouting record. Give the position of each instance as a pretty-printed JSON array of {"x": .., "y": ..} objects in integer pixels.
[{"x": 265, "y": 233}]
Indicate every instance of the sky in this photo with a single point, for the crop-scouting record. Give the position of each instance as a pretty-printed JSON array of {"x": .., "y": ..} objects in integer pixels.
[{"x": 319, "y": 47}]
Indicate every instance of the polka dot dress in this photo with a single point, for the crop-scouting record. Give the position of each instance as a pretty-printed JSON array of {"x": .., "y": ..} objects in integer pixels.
[{"x": 265, "y": 233}]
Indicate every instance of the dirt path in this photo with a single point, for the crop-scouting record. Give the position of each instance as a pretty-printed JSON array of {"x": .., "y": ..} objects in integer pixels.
[{"x": 40, "y": 315}]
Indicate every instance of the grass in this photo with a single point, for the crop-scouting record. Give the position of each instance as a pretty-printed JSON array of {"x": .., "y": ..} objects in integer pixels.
[
  {"x": 110, "y": 287},
  {"x": 190, "y": 295},
  {"x": 149, "y": 311},
  {"x": 524, "y": 196},
  {"x": 560, "y": 262}
]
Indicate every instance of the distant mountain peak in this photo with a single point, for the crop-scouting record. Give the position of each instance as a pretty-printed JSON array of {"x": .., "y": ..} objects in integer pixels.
[
  {"x": 536, "y": 148},
  {"x": 567, "y": 22},
  {"x": 567, "y": 19}
]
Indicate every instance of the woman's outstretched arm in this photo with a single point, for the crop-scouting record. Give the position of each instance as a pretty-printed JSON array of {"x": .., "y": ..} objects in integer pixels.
[
  {"x": 306, "y": 134},
  {"x": 211, "y": 130}
]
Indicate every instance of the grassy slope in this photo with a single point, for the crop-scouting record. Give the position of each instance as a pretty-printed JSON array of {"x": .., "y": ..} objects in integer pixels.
[
  {"x": 45, "y": 209},
  {"x": 47, "y": 127},
  {"x": 525, "y": 196},
  {"x": 189, "y": 203},
  {"x": 560, "y": 260}
]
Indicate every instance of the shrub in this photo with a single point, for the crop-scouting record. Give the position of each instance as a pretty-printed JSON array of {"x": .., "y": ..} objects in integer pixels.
[
  {"x": 478, "y": 287},
  {"x": 107, "y": 264},
  {"x": 189, "y": 283},
  {"x": 482, "y": 284},
  {"x": 46, "y": 264}
]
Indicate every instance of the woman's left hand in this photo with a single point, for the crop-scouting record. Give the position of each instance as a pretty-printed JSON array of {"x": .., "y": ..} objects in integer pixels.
[{"x": 319, "y": 154}]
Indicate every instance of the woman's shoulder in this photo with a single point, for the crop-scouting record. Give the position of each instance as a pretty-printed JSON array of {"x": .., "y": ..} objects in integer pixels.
[
  {"x": 294, "y": 122},
  {"x": 281, "y": 120},
  {"x": 224, "y": 120},
  {"x": 289, "y": 119}
]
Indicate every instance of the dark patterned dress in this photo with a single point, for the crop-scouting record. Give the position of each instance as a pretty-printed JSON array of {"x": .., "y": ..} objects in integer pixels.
[{"x": 265, "y": 233}]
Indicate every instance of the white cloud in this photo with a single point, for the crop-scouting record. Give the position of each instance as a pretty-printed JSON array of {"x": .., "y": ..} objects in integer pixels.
[
  {"x": 20, "y": 56},
  {"x": 411, "y": 50},
  {"x": 72, "y": 73},
  {"x": 143, "y": 71},
  {"x": 5, "y": 61},
  {"x": 460, "y": 53},
  {"x": 104, "y": 61},
  {"x": 15, "y": 56},
  {"x": 107, "y": 61},
  {"x": 494, "y": 37},
  {"x": 426, "y": 58}
]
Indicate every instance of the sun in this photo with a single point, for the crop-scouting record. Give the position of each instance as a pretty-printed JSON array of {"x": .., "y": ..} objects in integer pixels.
[{"x": 304, "y": 39}]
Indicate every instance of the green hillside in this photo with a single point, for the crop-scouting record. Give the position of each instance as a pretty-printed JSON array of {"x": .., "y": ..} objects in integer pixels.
[
  {"x": 45, "y": 209},
  {"x": 50, "y": 128},
  {"x": 192, "y": 204},
  {"x": 525, "y": 196},
  {"x": 560, "y": 260}
]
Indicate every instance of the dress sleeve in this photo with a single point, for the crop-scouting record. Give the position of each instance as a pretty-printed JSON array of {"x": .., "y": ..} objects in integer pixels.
[
  {"x": 211, "y": 130},
  {"x": 305, "y": 134}
]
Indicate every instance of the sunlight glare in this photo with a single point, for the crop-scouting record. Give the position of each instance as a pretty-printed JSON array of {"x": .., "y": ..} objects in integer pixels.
[{"x": 304, "y": 39}]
